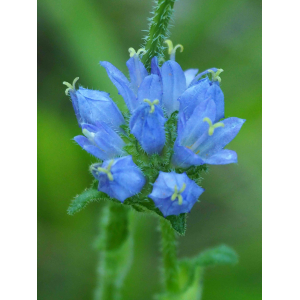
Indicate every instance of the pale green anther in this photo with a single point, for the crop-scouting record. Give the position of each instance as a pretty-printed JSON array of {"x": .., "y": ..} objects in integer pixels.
[
  {"x": 212, "y": 126},
  {"x": 107, "y": 170},
  {"x": 132, "y": 52},
  {"x": 88, "y": 134},
  {"x": 70, "y": 86},
  {"x": 171, "y": 49},
  {"x": 151, "y": 104},
  {"x": 177, "y": 194},
  {"x": 215, "y": 75}
]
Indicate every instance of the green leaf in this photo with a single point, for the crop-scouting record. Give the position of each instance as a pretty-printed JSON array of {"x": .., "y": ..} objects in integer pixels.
[
  {"x": 221, "y": 255},
  {"x": 178, "y": 223},
  {"x": 80, "y": 201},
  {"x": 191, "y": 272}
]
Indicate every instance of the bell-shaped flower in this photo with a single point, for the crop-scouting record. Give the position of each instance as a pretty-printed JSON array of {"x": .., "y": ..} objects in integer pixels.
[
  {"x": 119, "y": 178},
  {"x": 147, "y": 121},
  {"x": 92, "y": 106},
  {"x": 101, "y": 141},
  {"x": 201, "y": 139},
  {"x": 200, "y": 91},
  {"x": 174, "y": 193}
]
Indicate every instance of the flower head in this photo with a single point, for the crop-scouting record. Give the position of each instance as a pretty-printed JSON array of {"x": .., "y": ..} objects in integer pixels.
[
  {"x": 176, "y": 117},
  {"x": 175, "y": 193},
  {"x": 119, "y": 178}
]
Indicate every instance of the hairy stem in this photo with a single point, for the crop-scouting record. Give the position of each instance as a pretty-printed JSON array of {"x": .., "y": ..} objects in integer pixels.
[
  {"x": 115, "y": 244},
  {"x": 169, "y": 251},
  {"x": 158, "y": 30}
]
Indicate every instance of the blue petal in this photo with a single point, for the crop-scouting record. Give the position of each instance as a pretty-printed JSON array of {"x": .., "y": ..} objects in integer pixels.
[
  {"x": 190, "y": 75},
  {"x": 195, "y": 127},
  {"x": 148, "y": 128},
  {"x": 222, "y": 157},
  {"x": 150, "y": 89},
  {"x": 76, "y": 107},
  {"x": 85, "y": 144},
  {"x": 137, "y": 72},
  {"x": 155, "y": 69},
  {"x": 122, "y": 84},
  {"x": 183, "y": 157},
  {"x": 215, "y": 92},
  {"x": 174, "y": 84},
  {"x": 192, "y": 97},
  {"x": 108, "y": 141},
  {"x": 221, "y": 137},
  {"x": 95, "y": 106}
]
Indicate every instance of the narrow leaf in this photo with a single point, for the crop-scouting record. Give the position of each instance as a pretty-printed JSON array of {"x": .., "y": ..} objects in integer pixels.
[
  {"x": 80, "y": 201},
  {"x": 221, "y": 255}
]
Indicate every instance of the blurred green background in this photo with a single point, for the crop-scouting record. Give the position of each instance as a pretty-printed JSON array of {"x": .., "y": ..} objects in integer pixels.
[{"x": 73, "y": 36}]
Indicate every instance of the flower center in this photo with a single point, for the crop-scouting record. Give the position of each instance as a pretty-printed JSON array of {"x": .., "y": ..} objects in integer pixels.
[
  {"x": 212, "y": 126},
  {"x": 152, "y": 104},
  {"x": 172, "y": 50},
  {"x": 215, "y": 75},
  {"x": 107, "y": 170},
  {"x": 132, "y": 51},
  {"x": 177, "y": 194},
  {"x": 70, "y": 86}
]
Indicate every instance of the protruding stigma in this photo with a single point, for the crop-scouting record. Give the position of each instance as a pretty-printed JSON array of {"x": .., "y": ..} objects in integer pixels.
[
  {"x": 70, "y": 86},
  {"x": 172, "y": 50},
  {"x": 155, "y": 102},
  {"x": 107, "y": 170},
  {"x": 212, "y": 126},
  {"x": 215, "y": 75},
  {"x": 132, "y": 51},
  {"x": 177, "y": 194},
  {"x": 88, "y": 134}
]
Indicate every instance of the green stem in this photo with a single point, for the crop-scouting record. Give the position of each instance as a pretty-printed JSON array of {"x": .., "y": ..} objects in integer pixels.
[
  {"x": 158, "y": 30},
  {"x": 115, "y": 244},
  {"x": 169, "y": 251}
]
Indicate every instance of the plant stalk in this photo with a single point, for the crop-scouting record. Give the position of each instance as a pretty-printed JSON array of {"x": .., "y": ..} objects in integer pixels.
[
  {"x": 158, "y": 30},
  {"x": 169, "y": 252},
  {"x": 115, "y": 245}
]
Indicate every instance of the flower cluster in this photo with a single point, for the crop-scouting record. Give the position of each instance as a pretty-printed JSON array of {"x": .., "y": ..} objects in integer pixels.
[{"x": 175, "y": 122}]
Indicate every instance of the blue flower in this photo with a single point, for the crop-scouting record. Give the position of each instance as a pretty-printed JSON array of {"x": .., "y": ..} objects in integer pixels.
[
  {"x": 101, "y": 141},
  {"x": 174, "y": 193},
  {"x": 147, "y": 121},
  {"x": 199, "y": 91},
  {"x": 201, "y": 138},
  {"x": 119, "y": 178},
  {"x": 92, "y": 106}
]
